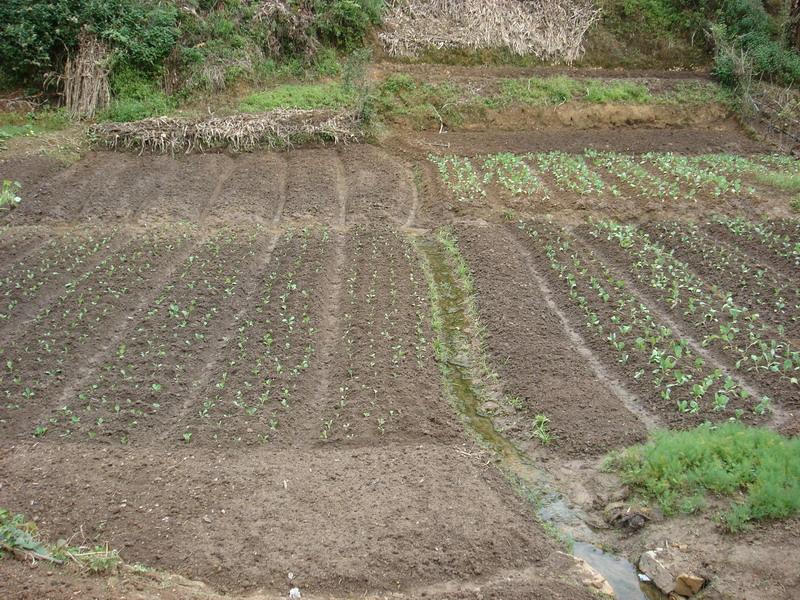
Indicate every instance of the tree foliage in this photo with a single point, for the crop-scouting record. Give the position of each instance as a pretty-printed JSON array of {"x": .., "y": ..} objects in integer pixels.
[{"x": 37, "y": 35}]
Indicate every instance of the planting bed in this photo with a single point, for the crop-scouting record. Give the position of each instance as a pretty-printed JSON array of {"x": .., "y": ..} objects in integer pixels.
[{"x": 235, "y": 367}]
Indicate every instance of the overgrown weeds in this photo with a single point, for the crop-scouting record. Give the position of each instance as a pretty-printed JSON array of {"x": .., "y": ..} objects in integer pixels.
[
  {"x": 19, "y": 538},
  {"x": 9, "y": 194},
  {"x": 756, "y": 467}
]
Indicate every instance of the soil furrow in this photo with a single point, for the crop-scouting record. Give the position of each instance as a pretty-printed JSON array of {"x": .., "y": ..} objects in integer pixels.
[
  {"x": 588, "y": 416},
  {"x": 630, "y": 400}
]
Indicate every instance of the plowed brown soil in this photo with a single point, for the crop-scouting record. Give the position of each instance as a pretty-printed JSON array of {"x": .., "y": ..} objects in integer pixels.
[{"x": 241, "y": 381}]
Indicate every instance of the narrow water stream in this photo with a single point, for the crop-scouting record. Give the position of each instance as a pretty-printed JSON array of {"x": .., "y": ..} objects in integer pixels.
[{"x": 552, "y": 508}]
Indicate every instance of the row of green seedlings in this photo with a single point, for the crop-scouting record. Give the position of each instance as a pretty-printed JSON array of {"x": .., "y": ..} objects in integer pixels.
[
  {"x": 755, "y": 346},
  {"x": 655, "y": 175},
  {"x": 63, "y": 257},
  {"x": 765, "y": 234},
  {"x": 255, "y": 388},
  {"x": 154, "y": 365},
  {"x": 756, "y": 287},
  {"x": 79, "y": 319},
  {"x": 382, "y": 291},
  {"x": 644, "y": 347}
]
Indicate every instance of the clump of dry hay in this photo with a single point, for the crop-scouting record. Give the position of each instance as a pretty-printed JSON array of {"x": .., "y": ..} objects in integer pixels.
[
  {"x": 551, "y": 30},
  {"x": 85, "y": 78},
  {"x": 240, "y": 133}
]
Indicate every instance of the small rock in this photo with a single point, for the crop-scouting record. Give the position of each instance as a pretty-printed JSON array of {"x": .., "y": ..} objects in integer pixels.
[
  {"x": 206, "y": 519},
  {"x": 294, "y": 593},
  {"x": 688, "y": 585},
  {"x": 489, "y": 408},
  {"x": 650, "y": 564},
  {"x": 625, "y": 516},
  {"x": 591, "y": 578}
]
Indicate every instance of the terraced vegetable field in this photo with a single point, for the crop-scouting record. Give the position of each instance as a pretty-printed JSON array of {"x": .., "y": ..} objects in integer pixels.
[{"x": 234, "y": 368}]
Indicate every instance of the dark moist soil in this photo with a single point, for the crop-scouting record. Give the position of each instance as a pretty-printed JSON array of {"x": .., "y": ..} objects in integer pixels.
[
  {"x": 760, "y": 254},
  {"x": 384, "y": 380},
  {"x": 379, "y": 517},
  {"x": 227, "y": 404},
  {"x": 29, "y": 171},
  {"x": 378, "y": 186},
  {"x": 635, "y": 140},
  {"x": 551, "y": 378},
  {"x": 60, "y": 343}
]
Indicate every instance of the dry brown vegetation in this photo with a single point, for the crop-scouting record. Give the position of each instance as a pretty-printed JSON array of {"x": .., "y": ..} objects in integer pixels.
[
  {"x": 240, "y": 133},
  {"x": 549, "y": 29}
]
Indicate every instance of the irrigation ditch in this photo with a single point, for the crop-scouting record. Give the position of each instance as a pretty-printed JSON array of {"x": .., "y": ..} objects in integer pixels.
[{"x": 464, "y": 374}]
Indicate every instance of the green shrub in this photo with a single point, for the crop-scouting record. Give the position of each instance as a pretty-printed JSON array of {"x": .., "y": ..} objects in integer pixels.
[
  {"x": 135, "y": 96},
  {"x": 758, "y": 467},
  {"x": 37, "y": 35},
  {"x": 344, "y": 23},
  {"x": 398, "y": 82}
]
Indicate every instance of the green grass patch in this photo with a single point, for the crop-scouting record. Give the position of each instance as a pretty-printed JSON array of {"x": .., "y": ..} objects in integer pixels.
[
  {"x": 758, "y": 468},
  {"x": 402, "y": 97},
  {"x": 536, "y": 92},
  {"x": 696, "y": 92},
  {"x": 306, "y": 96},
  {"x": 608, "y": 92},
  {"x": 15, "y": 124},
  {"x": 783, "y": 181}
]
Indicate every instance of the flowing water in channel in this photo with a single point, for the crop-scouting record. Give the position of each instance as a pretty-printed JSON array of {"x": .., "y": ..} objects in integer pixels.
[{"x": 552, "y": 509}]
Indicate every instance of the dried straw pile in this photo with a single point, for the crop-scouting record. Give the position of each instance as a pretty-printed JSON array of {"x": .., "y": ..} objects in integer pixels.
[
  {"x": 85, "y": 78},
  {"x": 551, "y": 30},
  {"x": 240, "y": 133}
]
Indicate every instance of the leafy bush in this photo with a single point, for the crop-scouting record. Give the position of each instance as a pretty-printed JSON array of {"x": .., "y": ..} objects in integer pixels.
[
  {"x": 136, "y": 97},
  {"x": 9, "y": 194},
  {"x": 37, "y": 35},
  {"x": 344, "y": 23},
  {"x": 747, "y": 24},
  {"x": 679, "y": 468}
]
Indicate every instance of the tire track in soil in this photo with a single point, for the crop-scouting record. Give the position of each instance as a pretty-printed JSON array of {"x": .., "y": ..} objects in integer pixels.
[
  {"x": 225, "y": 174},
  {"x": 341, "y": 191},
  {"x": 119, "y": 332},
  {"x": 211, "y": 355},
  {"x": 411, "y": 181},
  {"x": 616, "y": 387},
  {"x": 330, "y": 328},
  {"x": 31, "y": 308},
  {"x": 283, "y": 189},
  {"x": 779, "y": 416}
]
